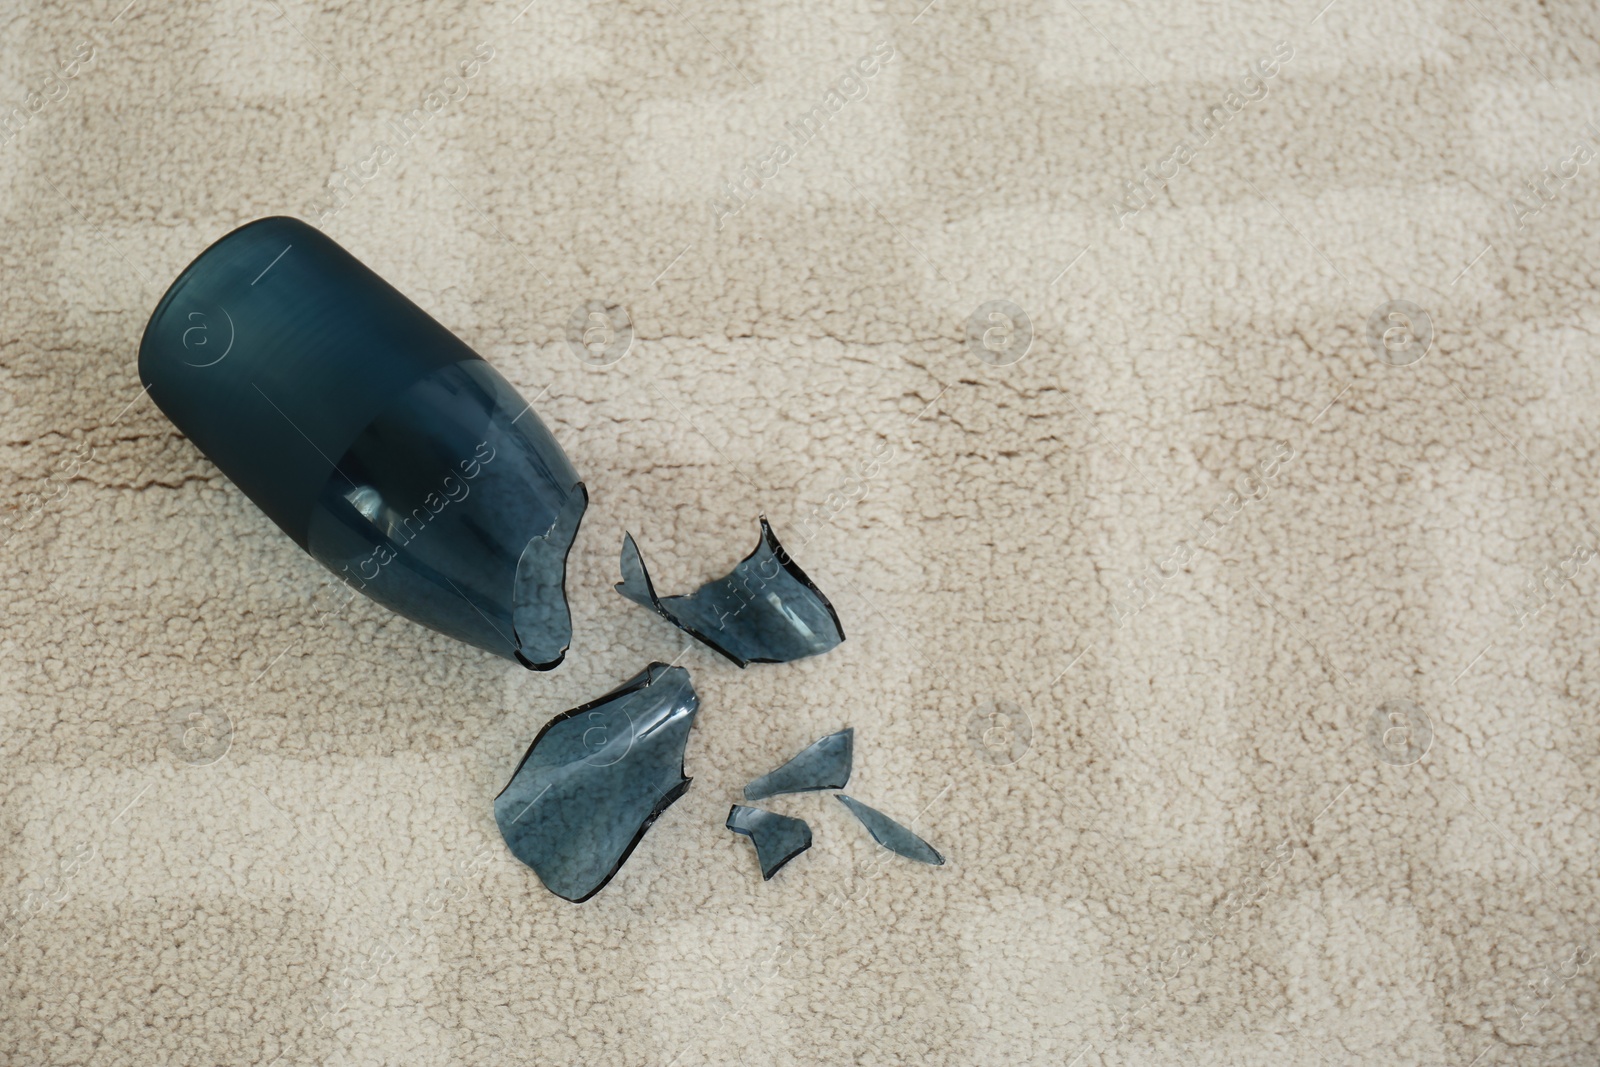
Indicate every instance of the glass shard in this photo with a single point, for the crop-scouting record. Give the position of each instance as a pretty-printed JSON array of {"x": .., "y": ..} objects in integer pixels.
[
  {"x": 823, "y": 764},
  {"x": 594, "y": 780},
  {"x": 370, "y": 434},
  {"x": 778, "y": 838},
  {"x": 763, "y": 611},
  {"x": 890, "y": 834}
]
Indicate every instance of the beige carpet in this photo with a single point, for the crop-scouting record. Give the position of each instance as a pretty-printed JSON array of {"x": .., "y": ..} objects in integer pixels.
[{"x": 1247, "y": 679}]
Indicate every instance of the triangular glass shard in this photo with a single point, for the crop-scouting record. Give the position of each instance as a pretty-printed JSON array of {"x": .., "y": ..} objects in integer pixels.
[
  {"x": 594, "y": 780},
  {"x": 890, "y": 834},
  {"x": 823, "y": 764},
  {"x": 778, "y": 838},
  {"x": 372, "y": 435},
  {"x": 763, "y": 611}
]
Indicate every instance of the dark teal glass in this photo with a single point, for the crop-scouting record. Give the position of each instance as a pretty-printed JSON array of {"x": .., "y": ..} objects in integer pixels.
[
  {"x": 595, "y": 778},
  {"x": 823, "y": 764},
  {"x": 371, "y": 435},
  {"x": 891, "y": 834},
  {"x": 765, "y": 610},
  {"x": 778, "y": 838}
]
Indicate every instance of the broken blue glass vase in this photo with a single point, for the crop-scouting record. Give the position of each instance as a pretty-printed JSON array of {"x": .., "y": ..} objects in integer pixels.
[{"x": 376, "y": 439}]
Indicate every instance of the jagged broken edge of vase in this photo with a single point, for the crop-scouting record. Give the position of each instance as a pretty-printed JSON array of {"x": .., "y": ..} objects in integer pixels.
[
  {"x": 627, "y": 778},
  {"x": 539, "y": 595},
  {"x": 890, "y": 834},
  {"x": 823, "y": 764},
  {"x": 764, "y": 618},
  {"x": 777, "y": 838}
]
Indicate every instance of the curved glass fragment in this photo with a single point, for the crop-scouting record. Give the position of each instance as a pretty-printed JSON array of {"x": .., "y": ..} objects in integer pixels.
[
  {"x": 594, "y": 780},
  {"x": 890, "y": 834},
  {"x": 370, "y": 434},
  {"x": 763, "y": 611},
  {"x": 823, "y": 764},
  {"x": 778, "y": 838}
]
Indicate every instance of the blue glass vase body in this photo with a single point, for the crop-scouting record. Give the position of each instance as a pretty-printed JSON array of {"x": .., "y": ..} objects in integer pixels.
[{"x": 373, "y": 436}]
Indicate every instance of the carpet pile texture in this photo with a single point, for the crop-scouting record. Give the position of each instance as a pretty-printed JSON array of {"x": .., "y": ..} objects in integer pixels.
[{"x": 1190, "y": 409}]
